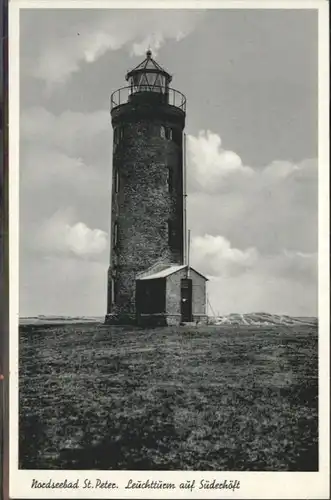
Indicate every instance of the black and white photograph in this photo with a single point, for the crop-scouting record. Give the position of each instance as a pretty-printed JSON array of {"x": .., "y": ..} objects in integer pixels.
[{"x": 168, "y": 163}]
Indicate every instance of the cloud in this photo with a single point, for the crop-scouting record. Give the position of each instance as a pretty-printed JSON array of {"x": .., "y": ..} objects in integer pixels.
[
  {"x": 60, "y": 237},
  {"x": 215, "y": 256},
  {"x": 259, "y": 292},
  {"x": 272, "y": 208},
  {"x": 86, "y": 38},
  {"x": 254, "y": 229},
  {"x": 210, "y": 164},
  {"x": 50, "y": 145},
  {"x": 247, "y": 281},
  {"x": 65, "y": 161}
]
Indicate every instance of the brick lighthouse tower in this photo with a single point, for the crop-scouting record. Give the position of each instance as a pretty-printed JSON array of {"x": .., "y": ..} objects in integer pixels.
[{"x": 148, "y": 242}]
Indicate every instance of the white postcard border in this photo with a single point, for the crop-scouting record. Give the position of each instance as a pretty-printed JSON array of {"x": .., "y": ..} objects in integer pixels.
[{"x": 252, "y": 484}]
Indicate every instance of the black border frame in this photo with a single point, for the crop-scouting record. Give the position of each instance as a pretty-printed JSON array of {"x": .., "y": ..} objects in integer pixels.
[{"x": 4, "y": 258}]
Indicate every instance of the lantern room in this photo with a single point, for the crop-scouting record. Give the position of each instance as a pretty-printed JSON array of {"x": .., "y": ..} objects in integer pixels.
[
  {"x": 148, "y": 76},
  {"x": 148, "y": 83}
]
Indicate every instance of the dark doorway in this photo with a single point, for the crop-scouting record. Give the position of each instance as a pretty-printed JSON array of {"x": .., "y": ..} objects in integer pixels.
[
  {"x": 186, "y": 300},
  {"x": 150, "y": 296}
]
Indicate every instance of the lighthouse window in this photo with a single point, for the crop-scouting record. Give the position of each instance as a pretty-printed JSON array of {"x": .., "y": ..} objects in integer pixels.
[
  {"x": 170, "y": 180},
  {"x": 162, "y": 132},
  {"x": 169, "y": 133},
  {"x": 177, "y": 137},
  {"x": 115, "y": 290},
  {"x": 116, "y": 136},
  {"x": 115, "y": 234},
  {"x": 117, "y": 181}
]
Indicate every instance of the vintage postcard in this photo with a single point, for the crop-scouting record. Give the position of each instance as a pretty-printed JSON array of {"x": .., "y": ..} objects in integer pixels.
[{"x": 169, "y": 313}]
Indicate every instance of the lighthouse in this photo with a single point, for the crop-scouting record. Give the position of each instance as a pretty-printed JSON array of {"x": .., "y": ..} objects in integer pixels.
[{"x": 149, "y": 277}]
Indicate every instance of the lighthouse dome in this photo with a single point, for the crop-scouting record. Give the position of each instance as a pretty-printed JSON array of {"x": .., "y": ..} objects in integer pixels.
[{"x": 149, "y": 76}]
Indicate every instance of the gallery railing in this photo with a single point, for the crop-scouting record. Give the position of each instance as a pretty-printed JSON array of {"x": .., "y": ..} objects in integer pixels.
[{"x": 168, "y": 96}]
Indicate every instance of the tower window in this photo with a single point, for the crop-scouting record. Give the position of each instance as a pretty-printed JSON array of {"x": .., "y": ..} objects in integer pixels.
[
  {"x": 115, "y": 235},
  {"x": 170, "y": 179},
  {"x": 116, "y": 136},
  {"x": 113, "y": 301},
  {"x": 117, "y": 181},
  {"x": 162, "y": 132},
  {"x": 114, "y": 291},
  {"x": 169, "y": 133},
  {"x": 177, "y": 137}
]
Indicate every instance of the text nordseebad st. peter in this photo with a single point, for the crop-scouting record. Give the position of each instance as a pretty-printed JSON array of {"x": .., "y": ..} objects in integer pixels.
[{"x": 137, "y": 484}]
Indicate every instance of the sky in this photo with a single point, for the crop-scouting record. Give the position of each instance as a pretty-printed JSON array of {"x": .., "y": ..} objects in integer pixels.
[{"x": 250, "y": 78}]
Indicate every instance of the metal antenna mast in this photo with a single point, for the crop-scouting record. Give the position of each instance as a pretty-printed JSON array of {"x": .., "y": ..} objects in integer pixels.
[
  {"x": 188, "y": 252},
  {"x": 184, "y": 202},
  {"x": 212, "y": 310}
]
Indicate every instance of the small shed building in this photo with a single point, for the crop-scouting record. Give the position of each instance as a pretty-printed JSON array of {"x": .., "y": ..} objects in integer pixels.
[{"x": 171, "y": 296}]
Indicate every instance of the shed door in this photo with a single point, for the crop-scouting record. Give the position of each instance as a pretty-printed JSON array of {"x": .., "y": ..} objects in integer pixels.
[
  {"x": 150, "y": 296},
  {"x": 186, "y": 300}
]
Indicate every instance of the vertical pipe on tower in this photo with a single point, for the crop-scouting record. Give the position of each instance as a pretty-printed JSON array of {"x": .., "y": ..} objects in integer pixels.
[
  {"x": 184, "y": 203},
  {"x": 188, "y": 252}
]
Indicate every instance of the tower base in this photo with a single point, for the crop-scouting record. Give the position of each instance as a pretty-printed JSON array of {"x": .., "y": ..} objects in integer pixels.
[
  {"x": 152, "y": 320},
  {"x": 121, "y": 319}
]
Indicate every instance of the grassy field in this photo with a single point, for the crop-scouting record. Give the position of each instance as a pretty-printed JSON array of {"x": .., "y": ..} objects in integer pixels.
[{"x": 209, "y": 398}]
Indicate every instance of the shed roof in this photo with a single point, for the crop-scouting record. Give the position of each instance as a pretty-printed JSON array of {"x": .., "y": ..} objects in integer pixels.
[{"x": 167, "y": 272}]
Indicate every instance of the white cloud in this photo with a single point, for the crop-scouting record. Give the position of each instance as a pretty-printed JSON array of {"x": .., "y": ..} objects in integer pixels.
[
  {"x": 49, "y": 148},
  {"x": 258, "y": 292},
  {"x": 212, "y": 168},
  {"x": 215, "y": 256},
  {"x": 254, "y": 230},
  {"x": 82, "y": 240},
  {"x": 272, "y": 208},
  {"x": 59, "y": 236},
  {"x": 210, "y": 164},
  {"x": 106, "y": 30},
  {"x": 152, "y": 41},
  {"x": 247, "y": 281},
  {"x": 280, "y": 170},
  {"x": 58, "y": 169}
]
